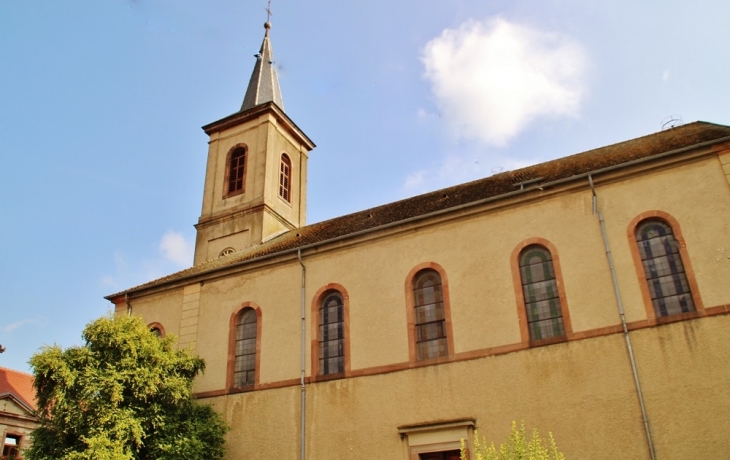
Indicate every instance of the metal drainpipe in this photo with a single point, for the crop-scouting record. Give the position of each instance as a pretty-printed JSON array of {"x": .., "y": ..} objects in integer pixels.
[
  {"x": 621, "y": 313},
  {"x": 304, "y": 344},
  {"x": 129, "y": 306}
]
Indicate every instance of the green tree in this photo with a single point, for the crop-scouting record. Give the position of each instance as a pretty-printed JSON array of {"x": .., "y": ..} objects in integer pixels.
[
  {"x": 517, "y": 447},
  {"x": 124, "y": 395}
]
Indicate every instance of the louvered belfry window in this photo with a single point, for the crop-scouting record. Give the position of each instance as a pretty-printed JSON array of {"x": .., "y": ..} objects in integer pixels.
[
  {"x": 244, "y": 373},
  {"x": 663, "y": 268},
  {"x": 540, "y": 291},
  {"x": 331, "y": 334},
  {"x": 430, "y": 318},
  {"x": 285, "y": 177},
  {"x": 236, "y": 170}
]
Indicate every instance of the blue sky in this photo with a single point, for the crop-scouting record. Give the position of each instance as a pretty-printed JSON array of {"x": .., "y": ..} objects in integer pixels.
[{"x": 101, "y": 105}]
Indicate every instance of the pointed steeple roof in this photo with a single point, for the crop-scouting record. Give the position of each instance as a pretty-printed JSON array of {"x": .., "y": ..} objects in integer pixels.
[{"x": 264, "y": 84}]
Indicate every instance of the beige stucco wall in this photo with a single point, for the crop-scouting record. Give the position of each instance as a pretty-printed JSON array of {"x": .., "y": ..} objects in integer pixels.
[
  {"x": 475, "y": 252},
  {"x": 696, "y": 195},
  {"x": 582, "y": 390},
  {"x": 164, "y": 308}
]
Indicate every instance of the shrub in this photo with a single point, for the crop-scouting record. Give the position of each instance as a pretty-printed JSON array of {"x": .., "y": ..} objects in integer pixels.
[{"x": 517, "y": 447}]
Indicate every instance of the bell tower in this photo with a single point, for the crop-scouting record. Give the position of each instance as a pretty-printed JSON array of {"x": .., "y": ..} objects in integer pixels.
[{"x": 256, "y": 175}]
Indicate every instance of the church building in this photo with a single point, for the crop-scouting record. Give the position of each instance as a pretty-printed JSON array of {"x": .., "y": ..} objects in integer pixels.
[{"x": 587, "y": 296}]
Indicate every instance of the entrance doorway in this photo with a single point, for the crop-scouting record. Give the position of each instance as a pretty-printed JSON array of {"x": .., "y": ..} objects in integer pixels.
[{"x": 447, "y": 455}]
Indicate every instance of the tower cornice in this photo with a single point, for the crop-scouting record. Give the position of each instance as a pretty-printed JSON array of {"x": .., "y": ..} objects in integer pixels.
[{"x": 255, "y": 112}]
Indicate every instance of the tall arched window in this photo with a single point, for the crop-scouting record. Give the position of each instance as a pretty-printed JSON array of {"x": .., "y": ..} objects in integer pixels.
[
  {"x": 666, "y": 277},
  {"x": 285, "y": 177},
  {"x": 236, "y": 170},
  {"x": 430, "y": 319},
  {"x": 540, "y": 293},
  {"x": 244, "y": 371},
  {"x": 331, "y": 334}
]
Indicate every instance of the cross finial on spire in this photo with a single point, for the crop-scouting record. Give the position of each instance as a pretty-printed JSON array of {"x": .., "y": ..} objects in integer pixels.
[
  {"x": 268, "y": 12},
  {"x": 264, "y": 84}
]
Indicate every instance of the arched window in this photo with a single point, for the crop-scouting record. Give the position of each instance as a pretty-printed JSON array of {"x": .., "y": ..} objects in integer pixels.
[
  {"x": 236, "y": 170},
  {"x": 665, "y": 275},
  {"x": 244, "y": 370},
  {"x": 157, "y": 329},
  {"x": 540, "y": 293},
  {"x": 331, "y": 334},
  {"x": 285, "y": 177},
  {"x": 430, "y": 319}
]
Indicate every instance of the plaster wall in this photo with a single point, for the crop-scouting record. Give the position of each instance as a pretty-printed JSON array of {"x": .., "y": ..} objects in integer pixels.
[
  {"x": 164, "y": 309},
  {"x": 695, "y": 194},
  {"x": 475, "y": 252},
  {"x": 582, "y": 391}
]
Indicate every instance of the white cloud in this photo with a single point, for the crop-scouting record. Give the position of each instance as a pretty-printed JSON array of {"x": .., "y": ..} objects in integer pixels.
[
  {"x": 39, "y": 321},
  {"x": 175, "y": 253},
  {"x": 492, "y": 79},
  {"x": 175, "y": 248},
  {"x": 665, "y": 75}
]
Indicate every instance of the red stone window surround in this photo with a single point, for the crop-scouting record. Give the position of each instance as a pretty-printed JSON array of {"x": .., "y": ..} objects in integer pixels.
[
  {"x": 232, "y": 336},
  {"x": 520, "y": 296},
  {"x": 660, "y": 216},
  {"x": 236, "y": 170},
  {"x": 12, "y": 445},
  {"x": 320, "y": 296},
  {"x": 285, "y": 171},
  {"x": 413, "y": 323},
  {"x": 157, "y": 328}
]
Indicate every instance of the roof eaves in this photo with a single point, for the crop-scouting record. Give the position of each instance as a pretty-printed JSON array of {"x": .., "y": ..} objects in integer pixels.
[{"x": 239, "y": 117}]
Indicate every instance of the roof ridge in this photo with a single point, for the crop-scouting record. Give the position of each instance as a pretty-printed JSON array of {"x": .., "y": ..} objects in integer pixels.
[{"x": 16, "y": 371}]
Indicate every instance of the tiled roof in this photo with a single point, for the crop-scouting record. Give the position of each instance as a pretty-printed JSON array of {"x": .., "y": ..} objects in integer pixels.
[
  {"x": 19, "y": 384},
  {"x": 563, "y": 168}
]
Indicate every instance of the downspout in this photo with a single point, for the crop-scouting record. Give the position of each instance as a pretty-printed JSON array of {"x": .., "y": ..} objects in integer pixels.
[
  {"x": 304, "y": 344},
  {"x": 129, "y": 305},
  {"x": 300, "y": 222},
  {"x": 621, "y": 313}
]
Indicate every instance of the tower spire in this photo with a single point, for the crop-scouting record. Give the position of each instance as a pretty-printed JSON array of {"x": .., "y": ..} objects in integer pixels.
[{"x": 264, "y": 84}]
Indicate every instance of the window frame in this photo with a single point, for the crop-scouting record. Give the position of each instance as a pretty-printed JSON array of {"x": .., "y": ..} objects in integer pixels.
[
  {"x": 284, "y": 156},
  {"x": 411, "y": 314},
  {"x": 20, "y": 444},
  {"x": 230, "y": 374},
  {"x": 639, "y": 266},
  {"x": 520, "y": 297},
  {"x": 319, "y": 296},
  {"x": 227, "y": 175}
]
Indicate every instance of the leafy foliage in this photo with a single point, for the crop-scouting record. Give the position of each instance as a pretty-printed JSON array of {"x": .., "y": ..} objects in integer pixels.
[
  {"x": 124, "y": 395},
  {"x": 517, "y": 447}
]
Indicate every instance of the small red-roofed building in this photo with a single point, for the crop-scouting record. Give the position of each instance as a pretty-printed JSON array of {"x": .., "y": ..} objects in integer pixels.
[{"x": 17, "y": 411}]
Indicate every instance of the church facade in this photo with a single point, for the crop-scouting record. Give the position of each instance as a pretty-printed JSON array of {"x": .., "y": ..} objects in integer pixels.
[{"x": 587, "y": 296}]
